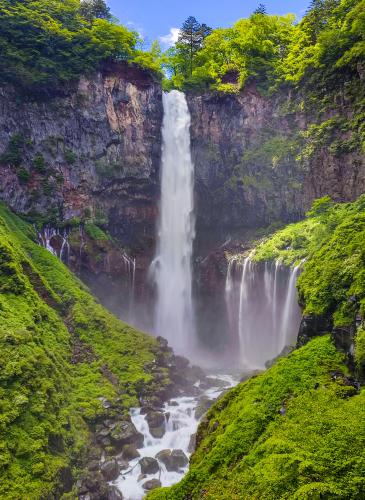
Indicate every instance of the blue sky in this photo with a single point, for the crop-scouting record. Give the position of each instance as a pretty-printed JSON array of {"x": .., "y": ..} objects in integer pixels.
[{"x": 154, "y": 19}]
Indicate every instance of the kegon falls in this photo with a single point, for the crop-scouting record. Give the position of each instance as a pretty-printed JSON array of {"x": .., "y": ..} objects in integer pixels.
[
  {"x": 172, "y": 267},
  {"x": 182, "y": 250}
]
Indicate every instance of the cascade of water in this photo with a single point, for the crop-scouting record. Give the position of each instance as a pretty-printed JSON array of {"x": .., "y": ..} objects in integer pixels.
[
  {"x": 65, "y": 247},
  {"x": 290, "y": 311},
  {"x": 172, "y": 265},
  {"x": 268, "y": 313}
]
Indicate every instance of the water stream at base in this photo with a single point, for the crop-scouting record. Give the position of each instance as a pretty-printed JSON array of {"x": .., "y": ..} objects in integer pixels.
[{"x": 181, "y": 425}]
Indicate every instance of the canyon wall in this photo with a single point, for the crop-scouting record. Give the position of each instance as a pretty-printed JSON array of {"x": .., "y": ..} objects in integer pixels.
[{"x": 92, "y": 156}]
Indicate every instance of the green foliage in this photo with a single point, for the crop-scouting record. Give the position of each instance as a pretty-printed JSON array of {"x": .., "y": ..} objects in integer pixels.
[
  {"x": 360, "y": 352},
  {"x": 47, "y": 43},
  {"x": 13, "y": 153},
  {"x": 291, "y": 432},
  {"x": 331, "y": 240},
  {"x": 95, "y": 232},
  {"x": 70, "y": 156},
  {"x": 39, "y": 163},
  {"x": 48, "y": 401}
]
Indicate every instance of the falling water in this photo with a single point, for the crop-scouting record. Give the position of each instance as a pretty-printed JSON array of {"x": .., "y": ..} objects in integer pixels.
[
  {"x": 172, "y": 265},
  {"x": 263, "y": 309}
]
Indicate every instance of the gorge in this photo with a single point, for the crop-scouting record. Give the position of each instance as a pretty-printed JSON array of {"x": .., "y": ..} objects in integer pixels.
[{"x": 182, "y": 291}]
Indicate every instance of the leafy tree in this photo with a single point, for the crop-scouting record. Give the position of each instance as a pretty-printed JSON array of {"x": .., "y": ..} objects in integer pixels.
[{"x": 94, "y": 9}]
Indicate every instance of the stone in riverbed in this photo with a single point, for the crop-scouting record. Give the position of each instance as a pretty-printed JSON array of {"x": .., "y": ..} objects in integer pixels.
[
  {"x": 149, "y": 465},
  {"x": 114, "y": 494},
  {"x": 126, "y": 433},
  {"x": 173, "y": 460},
  {"x": 152, "y": 484},
  {"x": 130, "y": 452},
  {"x": 203, "y": 406},
  {"x": 110, "y": 470},
  {"x": 156, "y": 423},
  {"x": 192, "y": 443}
]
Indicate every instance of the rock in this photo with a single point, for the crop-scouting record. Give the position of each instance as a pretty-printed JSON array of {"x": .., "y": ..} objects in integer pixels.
[
  {"x": 126, "y": 433},
  {"x": 149, "y": 465},
  {"x": 93, "y": 466},
  {"x": 123, "y": 463},
  {"x": 173, "y": 403},
  {"x": 192, "y": 443},
  {"x": 110, "y": 469},
  {"x": 130, "y": 452},
  {"x": 141, "y": 477},
  {"x": 156, "y": 423},
  {"x": 155, "y": 418},
  {"x": 152, "y": 484},
  {"x": 181, "y": 363},
  {"x": 203, "y": 406},
  {"x": 173, "y": 460},
  {"x": 114, "y": 494},
  {"x": 157, "y": 432}
]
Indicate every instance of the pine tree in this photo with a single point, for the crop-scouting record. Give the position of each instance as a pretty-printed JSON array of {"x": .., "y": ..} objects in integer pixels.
[
  {"x": 261, "y": 9},
  {"x": 94, "y": 9},
  {"x": 191, "y": 38}
]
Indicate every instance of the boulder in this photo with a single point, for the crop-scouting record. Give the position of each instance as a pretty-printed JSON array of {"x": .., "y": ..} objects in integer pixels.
[
  {"x": 126, "y": 433},
  {"x": 114, "y": 494},
  {"x": 157, "y": 432},
  {"x": 110, "y": 469},
  {"x": 130, "y": 452},
  {"x": 152, "y": 484},
  {"x": 203, "y": 406},
  {"x": 192, "y": 443},
  {"x": 149, "y": 465},
  {"x": 156, "y": 423},
  {"x": 173, "y": 460},
  {"x": 178, "y": 459}
]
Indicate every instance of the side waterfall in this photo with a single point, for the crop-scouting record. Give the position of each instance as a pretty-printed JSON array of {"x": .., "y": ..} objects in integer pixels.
[
  {"x": 171, "y": 267},
  {"x": 262, "y": 309}
]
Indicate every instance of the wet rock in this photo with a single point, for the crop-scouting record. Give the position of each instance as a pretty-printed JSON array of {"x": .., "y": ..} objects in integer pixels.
[
  {"x": 152, "y": 484},
  {"x": 157, "y": 432},
  {"x": 130, "y": 452},
  {"x": 110, "y": 470},
  {"x": 93, "y": 466},
  {"x": 149, "y": 465},
  {"x": 141, "y": 477},
  {"x": 114, "y": 494},
  {"x": 181, "y": 363},
  {"x": 126, "y": 433},
  {"x": 156, "y": 423},
  {"x": 173, "y": 460},
  {"x": 123, "y": 463},
  {"x": 192, "y": 443},
  {"x": 173, "y": 403},
  {"x": 203, "y": 406}
]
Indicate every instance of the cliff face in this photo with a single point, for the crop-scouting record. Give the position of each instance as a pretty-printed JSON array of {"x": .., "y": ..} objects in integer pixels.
[
  {"x": 93, "y": 153},
  {"x": 265, "y": 159}
]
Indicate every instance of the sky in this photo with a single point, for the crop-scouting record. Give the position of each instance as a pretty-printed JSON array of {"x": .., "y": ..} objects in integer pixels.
[{"x": 160, "y": 19}]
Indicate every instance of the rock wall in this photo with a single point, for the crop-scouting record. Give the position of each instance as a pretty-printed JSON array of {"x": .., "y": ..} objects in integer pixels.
[{"x": 100, "y": 151}]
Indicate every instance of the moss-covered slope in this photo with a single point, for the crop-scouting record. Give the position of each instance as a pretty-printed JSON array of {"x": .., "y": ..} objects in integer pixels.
[
  {"x": 295, "y": 431},
  {"x": 60, "y": 354}
]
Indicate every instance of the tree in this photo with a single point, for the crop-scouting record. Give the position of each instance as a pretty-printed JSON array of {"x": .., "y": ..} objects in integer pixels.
[
  {"x": 94, "y": 9},
  {"x": 191, "y": 39},
  {"x": 261, "y": 9}
]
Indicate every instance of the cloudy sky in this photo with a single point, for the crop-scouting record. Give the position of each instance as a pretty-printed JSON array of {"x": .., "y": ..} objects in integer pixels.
[{"x": 160, "y": 19}]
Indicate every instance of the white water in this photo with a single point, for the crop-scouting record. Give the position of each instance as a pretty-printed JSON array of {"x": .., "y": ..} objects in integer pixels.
[
  {"x": 262, "y": 309},
  {"x": 180, "y": 426},
  {"x": 45, "y": 237},
  {"x": 172, "y": 266}
]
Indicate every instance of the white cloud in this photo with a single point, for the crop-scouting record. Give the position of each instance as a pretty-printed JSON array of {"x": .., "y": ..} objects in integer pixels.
[{"x": 171, "y": 38}]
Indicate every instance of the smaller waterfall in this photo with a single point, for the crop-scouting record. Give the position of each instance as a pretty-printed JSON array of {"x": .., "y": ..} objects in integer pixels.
[
  {"x": 262, "y": 308},
  {"x": 56, "y": 242}
]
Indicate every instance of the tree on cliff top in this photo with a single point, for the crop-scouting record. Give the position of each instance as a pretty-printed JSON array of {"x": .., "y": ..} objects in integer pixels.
[{"x": 192, "y": 35}]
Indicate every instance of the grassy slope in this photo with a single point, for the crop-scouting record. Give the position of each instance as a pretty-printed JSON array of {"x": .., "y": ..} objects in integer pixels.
[
  {"x": 46, "y": 398},
  {"x": 248, "y": 449}
]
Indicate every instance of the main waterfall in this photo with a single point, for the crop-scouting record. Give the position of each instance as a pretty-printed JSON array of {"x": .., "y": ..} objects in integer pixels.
[{"x": 172, "y": 265}]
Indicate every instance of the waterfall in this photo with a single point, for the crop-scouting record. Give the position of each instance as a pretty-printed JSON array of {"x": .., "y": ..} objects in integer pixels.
[
  {"x": 55, "y": 242},
  {"x": 263, "y": 309},
  {"x": 172, "y": 265}
]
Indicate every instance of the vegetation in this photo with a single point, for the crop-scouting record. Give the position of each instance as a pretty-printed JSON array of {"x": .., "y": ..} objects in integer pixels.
[
  {"x": 46, "y": 43},
  {"x": 295, "y": 431},
  {"x": 273, "y": 50},
  {"x": 331, "y": 242},
  {"x": 60, "y": 352}
]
